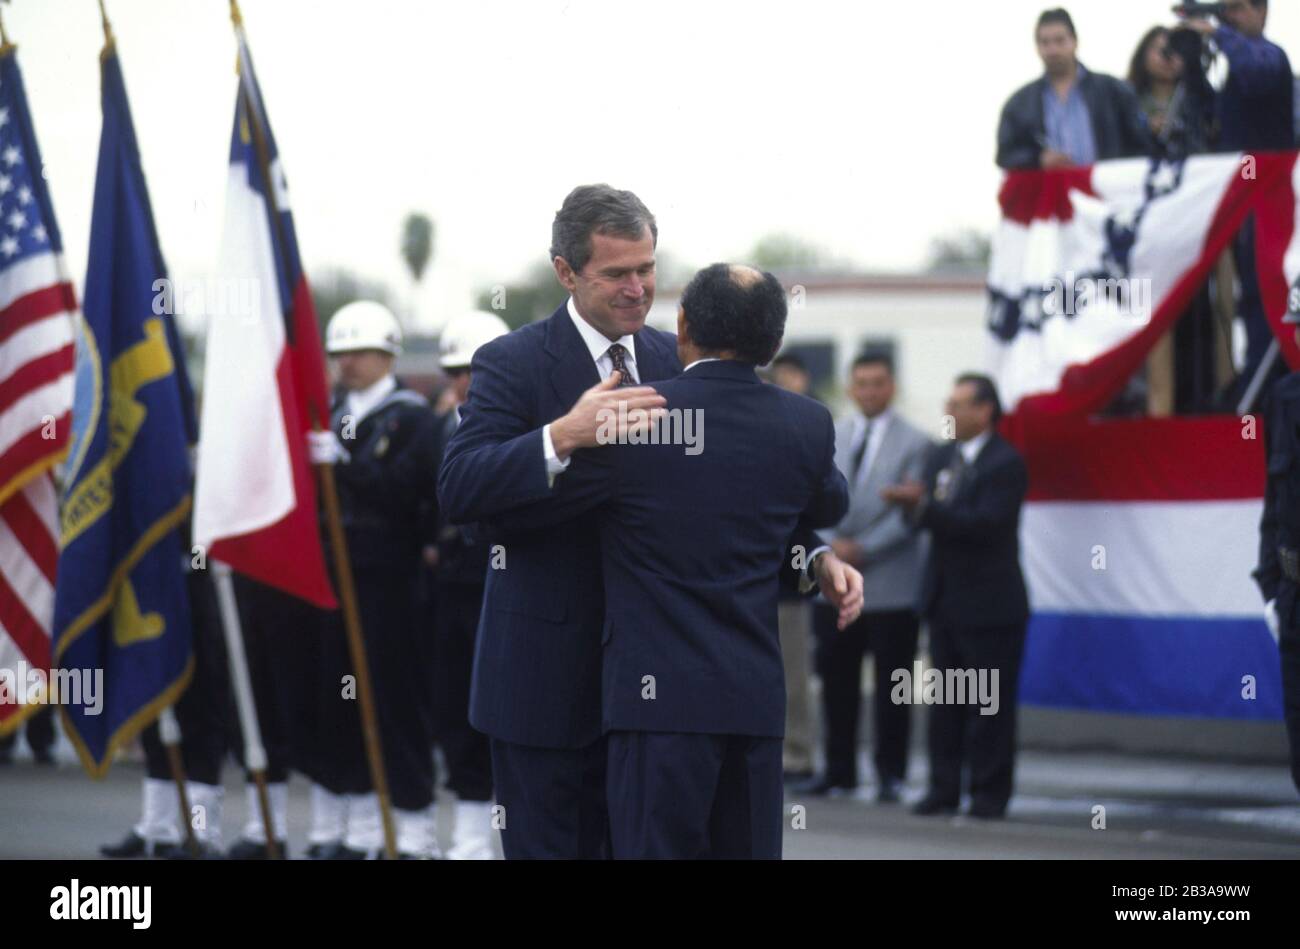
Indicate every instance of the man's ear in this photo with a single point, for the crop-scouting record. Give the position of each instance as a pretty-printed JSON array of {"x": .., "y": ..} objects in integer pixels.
[
  {"x": 564, "y": 274},
  {"x": 683, "y": 335}
]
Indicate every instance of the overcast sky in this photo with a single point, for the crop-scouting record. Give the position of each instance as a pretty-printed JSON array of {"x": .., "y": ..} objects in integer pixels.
[{"x": 866, "y": 127}]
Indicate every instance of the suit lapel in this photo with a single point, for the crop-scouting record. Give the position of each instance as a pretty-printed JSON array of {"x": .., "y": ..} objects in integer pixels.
[
  {"x": 654, "y": 362},
  {"x": 573, "y": 371}
]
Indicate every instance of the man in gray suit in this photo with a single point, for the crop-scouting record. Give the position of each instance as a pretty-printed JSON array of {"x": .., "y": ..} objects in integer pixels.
[{"x": 874, "y": 448}]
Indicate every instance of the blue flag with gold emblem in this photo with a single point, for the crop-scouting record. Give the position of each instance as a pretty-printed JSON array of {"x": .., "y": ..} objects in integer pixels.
[{"x": 121, "y": 616}]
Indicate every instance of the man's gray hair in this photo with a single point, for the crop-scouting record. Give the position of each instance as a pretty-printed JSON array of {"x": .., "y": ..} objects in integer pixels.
[{"x": 597, "y": 209}]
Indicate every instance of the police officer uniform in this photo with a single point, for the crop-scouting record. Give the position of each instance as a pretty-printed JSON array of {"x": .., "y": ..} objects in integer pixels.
[{"x": 1278, "y": 574}]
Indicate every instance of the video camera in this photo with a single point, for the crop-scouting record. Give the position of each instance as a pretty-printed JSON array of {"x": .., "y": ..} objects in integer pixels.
[{"x": 1201, "y": 11}]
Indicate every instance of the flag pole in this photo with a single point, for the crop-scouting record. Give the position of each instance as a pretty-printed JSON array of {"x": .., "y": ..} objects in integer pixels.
[
  {"x": 1251, "y": 395},
  {"x": 169, "y": 731},
  {"x": 254, "y": 751},
  {"x": 334, "y": 529}
]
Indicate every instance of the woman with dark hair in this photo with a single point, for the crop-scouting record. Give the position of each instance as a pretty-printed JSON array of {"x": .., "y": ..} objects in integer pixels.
[
  {"x": 1168, "y": 95},
  {"x": 1167, "y": 75}
]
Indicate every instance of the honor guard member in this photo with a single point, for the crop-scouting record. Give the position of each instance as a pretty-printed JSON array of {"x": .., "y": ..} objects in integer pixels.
[
  {"x": 1278, "y": 573},
  {"x": 460, "y": 561},
  {"x": 382, "y": 446},
  {"x": 281, "y": 635},
  {"x": 201, "y": 715}
]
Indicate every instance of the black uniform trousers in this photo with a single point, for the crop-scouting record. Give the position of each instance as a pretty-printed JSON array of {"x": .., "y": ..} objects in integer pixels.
[
  {"x": 1289, "y": 648},
  {"x": 281, "y": 635},
  {"x": 399, "y": 654},
  {"x": 675, "y": 796},
  {"x": 553, "y": 801},
  {"x": 959, "y": 734},
  {"x": 201, "y": 709},
  {"x": 465, "y": 750},
  {"x": 891, "y": 636}
]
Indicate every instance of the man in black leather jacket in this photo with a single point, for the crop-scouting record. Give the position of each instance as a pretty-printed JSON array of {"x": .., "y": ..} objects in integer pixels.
[{"x": 1070, "y": 115}]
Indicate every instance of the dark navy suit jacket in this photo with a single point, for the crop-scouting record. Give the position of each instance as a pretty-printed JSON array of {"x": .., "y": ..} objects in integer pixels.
[
  {"x": 693, "y": 548},
  {"x": 973, "y": 576},
  {"x": 537, "y": 658}
]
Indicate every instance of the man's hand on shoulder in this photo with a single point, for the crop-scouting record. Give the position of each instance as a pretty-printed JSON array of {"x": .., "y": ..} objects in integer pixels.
[{"x": 606, "y": 414}]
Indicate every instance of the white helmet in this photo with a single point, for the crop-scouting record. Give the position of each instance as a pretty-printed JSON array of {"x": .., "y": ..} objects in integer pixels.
[
  {"x": 363, "y": 325},
  {"x": 462, "y": 337}
]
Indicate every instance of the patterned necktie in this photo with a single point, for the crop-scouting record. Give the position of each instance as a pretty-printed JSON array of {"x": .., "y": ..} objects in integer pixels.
[{"x": 617, "y": 355}]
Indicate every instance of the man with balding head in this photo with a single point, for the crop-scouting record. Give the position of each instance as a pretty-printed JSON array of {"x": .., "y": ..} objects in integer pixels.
[
  {"x": 695, "y": 512},
  {"x": 539, "y": 395}
]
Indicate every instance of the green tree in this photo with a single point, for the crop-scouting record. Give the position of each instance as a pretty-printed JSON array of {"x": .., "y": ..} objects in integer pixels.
[
  {"x": 417, "y": 243},
  {"x": 965, "y": 251},
  {"x": 532, "y": 297},
  {"x": 788, "y": 252}
]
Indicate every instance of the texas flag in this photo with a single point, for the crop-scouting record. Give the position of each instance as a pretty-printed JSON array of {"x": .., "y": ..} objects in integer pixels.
[
  {"x": 1139, "y": 535},
  {"x": 264, "y": 380}
]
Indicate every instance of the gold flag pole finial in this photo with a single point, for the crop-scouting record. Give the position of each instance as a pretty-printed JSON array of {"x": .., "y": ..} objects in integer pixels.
[
  {"x": 238, "y": 20},
  {"x": 5, "y": 45},
  {"x": 108, "y": 27}
]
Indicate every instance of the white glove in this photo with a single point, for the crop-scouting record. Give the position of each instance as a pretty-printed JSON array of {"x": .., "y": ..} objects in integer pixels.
[
  {"x": 1270, "y": 617},
  {"x": 324, "y": 448}
]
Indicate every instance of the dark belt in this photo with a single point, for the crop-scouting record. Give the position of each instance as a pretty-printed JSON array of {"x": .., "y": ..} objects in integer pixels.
[{"x": 1289, "y": 559}]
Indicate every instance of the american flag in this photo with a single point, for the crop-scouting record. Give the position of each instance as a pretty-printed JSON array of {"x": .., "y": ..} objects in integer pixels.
[{"x": 38, "y": 311}]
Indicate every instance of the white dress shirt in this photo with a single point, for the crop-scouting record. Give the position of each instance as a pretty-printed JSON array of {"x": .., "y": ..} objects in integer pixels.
[
  {"x": 698, "y": 361},
  {"x": 970, "y": 450},
  {"x": 598, "y": 345}
]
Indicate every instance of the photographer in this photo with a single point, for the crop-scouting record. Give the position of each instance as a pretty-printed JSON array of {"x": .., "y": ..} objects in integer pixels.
[
  {"x": 1255, "y": 113},
  {"x": 1068, "y": 116},
  {"x": 1256, "y": 105}
]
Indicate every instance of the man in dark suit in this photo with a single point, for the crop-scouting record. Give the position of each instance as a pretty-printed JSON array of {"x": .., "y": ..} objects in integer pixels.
[
  {"x": 1278, "y": 573},
  {"x": 537, "y": 396},
  {"x": 973, "y": 595},
  {"x": 695, "y": 512}
]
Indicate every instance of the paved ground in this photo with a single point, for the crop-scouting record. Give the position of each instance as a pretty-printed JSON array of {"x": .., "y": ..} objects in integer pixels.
[{"x": 1153, "y": 809}]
